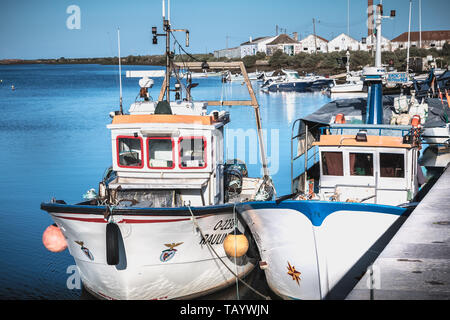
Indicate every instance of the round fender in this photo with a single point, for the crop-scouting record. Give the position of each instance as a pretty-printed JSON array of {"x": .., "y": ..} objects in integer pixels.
[{"x": 112, "y": 243}]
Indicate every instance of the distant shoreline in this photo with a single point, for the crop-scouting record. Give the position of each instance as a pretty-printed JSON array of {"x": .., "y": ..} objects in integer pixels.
[{"x": 102, "y": 61}]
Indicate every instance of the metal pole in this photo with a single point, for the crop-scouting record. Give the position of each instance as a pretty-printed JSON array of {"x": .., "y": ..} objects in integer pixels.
[
  {"x": 409, "y": 38},
  {"x": 348, "y": 18},
  {"x": 120, "y": 72},
  {"x": 378, "y": 49},
  {"x": 315, "y": 38},
  {"x": 168, "y": 61}
]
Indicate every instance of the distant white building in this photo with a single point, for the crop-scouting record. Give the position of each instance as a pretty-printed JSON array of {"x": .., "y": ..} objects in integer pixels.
[
  {"x": 312, "y": 44},
  {"x": 343, "y": 42},
  {"x": 230, "y": 53},
  {"x": 253, "y": 46},
  {"x": 430, "y": 39},
  {"x": 284, "y": 43}
]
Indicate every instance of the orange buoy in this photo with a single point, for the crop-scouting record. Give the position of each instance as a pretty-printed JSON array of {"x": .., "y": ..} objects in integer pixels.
[
  {"x": 235, "y": 245},
  {"x": 415, "y": 121},
  {"x": 53, "y": 239},
  {"x": 340, "y": 118}
]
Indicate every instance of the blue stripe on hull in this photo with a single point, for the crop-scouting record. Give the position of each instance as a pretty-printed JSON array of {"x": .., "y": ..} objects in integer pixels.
[{"x": 317, "y": 211}]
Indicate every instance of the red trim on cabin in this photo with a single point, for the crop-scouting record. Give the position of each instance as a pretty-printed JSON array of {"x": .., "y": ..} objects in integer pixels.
[
  {"x": 142, "y": 152},
  {"x": 148, "y": 153},
  {"x": 205, "y": 155}
]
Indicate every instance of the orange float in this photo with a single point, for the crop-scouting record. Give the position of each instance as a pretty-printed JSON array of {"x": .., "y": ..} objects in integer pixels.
[{"x": 53, "y": 239}]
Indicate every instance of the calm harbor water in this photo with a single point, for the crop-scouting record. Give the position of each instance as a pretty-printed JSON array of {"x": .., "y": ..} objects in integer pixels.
[{"x": 55, "y": 144}]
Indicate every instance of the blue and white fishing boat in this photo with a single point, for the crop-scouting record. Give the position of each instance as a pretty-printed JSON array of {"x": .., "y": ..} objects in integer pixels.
[{"x": 354, "y": 180}]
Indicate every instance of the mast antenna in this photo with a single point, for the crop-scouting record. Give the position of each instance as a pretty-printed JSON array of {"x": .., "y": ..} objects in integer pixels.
[{"x": 120, "y": 72}]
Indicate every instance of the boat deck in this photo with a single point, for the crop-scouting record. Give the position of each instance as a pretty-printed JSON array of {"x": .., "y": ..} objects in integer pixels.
[{"x": 416, "y": 262}]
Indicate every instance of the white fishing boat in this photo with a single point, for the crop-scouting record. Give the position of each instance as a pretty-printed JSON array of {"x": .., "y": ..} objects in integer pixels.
[
  {"x": 156, "y": 227},
  {"x": 252, "y": 76},
  {"x": 348, "y": 87},
  {"x": 353, "y": 84}
]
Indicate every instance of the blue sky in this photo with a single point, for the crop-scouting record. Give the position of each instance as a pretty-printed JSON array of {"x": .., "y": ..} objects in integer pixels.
[{"x": 31, "y": 29}]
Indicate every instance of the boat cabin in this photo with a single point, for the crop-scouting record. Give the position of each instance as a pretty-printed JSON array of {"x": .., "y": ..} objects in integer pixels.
[
  {"x": 368, "y": 165},
  {"x": 171, "y": 155},
  {"x": 168, "y": 152}
]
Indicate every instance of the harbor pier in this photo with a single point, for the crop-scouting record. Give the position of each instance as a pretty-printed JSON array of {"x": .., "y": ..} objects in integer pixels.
[{"x": 415, "y": 265}]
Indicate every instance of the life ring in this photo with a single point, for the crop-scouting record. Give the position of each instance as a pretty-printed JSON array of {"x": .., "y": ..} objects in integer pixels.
[{"x": 112, "y": 243}]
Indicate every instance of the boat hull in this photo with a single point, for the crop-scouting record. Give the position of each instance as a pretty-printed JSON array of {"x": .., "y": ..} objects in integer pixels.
[
  {"x": 290, "y": 87},
  {"x": 300, "y": 86},
  {"x": 318, "y": 250},
  {"x": 347, "y": 88},
  {"x": 162, "y": 255}
]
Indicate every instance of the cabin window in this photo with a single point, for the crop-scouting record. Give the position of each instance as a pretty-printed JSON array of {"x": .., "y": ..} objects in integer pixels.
[
  {"x": 392, "y": 165},
  {"x": 160, "y": 153},
  {"x": 192, "y": 152},
  {"x": 129, "y": 152},
  {"x": 332, "y": 164},
  {"x": 361, "y": 164}
]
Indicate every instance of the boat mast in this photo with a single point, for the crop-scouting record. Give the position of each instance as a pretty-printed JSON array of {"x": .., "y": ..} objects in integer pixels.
[
  {"x": 165, "y": 88},
  {"x": 378, "y": 29},
  {"x": 409, "y": 38},
  {"x": 166, "y": 24},
  {"x": 120, "y": 72},
  {"x": 374, "y": 75}
]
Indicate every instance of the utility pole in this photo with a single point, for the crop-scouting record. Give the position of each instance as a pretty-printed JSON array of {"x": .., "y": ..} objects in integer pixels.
[
  {"x": 348, "y": 18},
  {"x": 315, "y": 37},
  {"x": 276, "y": 30},
  {"x": 226, "y": 37}
]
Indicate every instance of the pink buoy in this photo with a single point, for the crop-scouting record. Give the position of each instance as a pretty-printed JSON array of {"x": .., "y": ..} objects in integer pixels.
[{"x": 53, "y": 239}]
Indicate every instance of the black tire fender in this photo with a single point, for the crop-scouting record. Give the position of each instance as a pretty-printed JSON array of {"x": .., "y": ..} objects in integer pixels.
[{"x": 112, "y": 243}]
